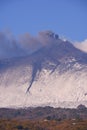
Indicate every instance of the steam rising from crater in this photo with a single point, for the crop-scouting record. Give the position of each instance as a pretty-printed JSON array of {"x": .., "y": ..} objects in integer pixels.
[{"x": 26, "y": 44}]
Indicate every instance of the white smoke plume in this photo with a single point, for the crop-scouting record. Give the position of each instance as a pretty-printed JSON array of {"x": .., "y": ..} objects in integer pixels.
[{"x": 82, "y": 45}]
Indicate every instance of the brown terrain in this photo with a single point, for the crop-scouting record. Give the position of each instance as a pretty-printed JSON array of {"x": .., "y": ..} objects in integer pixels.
[
  {"x": 44, "y": 118},
  {"x": 43, "y": 124}
]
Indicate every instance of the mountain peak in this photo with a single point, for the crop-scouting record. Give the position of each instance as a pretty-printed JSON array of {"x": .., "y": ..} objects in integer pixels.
[{"x": 49, "y": 34}]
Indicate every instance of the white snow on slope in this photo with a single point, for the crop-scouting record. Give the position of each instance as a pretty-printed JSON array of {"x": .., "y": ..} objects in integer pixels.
[{"x": 66, "y": 90}]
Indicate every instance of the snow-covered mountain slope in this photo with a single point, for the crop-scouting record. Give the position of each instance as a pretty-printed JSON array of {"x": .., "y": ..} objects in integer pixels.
[{"x": 54, "y": 75}]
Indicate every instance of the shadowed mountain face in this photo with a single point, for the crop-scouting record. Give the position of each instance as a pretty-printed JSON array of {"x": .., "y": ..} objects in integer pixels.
[
  {"x": 59, "y": 54},
  {"x": 54, "y": 61}
]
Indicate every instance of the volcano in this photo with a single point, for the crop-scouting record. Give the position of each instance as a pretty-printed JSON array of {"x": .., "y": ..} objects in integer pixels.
[{"x": 54, "y": 75}]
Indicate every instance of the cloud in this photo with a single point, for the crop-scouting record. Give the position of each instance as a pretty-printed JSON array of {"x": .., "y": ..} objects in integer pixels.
[
  {"x": 25, "y": 44},
  {"x": 29, "y": 43},
  {"x": 82, "y": 45},
  {"x": 9, "y": 46},
  {"x": 12, "y": 47}
]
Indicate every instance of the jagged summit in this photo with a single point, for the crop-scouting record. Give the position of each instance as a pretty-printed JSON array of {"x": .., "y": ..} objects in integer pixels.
[{"x": 49, "y": 34}]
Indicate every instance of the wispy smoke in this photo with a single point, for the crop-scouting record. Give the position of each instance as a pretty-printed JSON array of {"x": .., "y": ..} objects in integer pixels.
[
  {"x": 29, "y": 43},
  {"x": 10, "y": 47},
  {"x": 25, "y": 45},
  {"x": 82, "y": 45}
]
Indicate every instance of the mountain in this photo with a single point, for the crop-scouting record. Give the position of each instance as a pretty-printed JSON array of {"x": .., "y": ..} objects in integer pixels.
[{"x": 54, "y": 75}]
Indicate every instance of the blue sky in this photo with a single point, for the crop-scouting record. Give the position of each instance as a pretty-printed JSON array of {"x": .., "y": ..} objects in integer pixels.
[{"x": 66, "y": 17}]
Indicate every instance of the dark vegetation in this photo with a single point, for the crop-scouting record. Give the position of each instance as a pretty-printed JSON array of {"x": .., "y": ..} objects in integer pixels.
[
  {"x": 44, "y": 118},
  {"x": 40, "y": 113}
]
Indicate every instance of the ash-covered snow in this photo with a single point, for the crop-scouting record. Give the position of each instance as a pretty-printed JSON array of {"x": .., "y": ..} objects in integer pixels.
[{"x": 55, "y": 75}]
